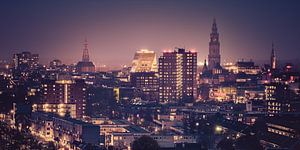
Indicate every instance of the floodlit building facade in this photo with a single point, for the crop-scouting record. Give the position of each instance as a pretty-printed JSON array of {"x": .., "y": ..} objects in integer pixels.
[
  {"x": 143, "y": 74},
  {"x": 144, "y": 61}
]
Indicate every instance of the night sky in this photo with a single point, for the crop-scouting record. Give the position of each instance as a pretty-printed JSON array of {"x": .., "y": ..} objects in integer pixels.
[{"x": 116, "y": 29}]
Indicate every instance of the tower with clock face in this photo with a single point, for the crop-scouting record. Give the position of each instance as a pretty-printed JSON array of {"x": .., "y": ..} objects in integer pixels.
[{"x": 214, "y": 57}]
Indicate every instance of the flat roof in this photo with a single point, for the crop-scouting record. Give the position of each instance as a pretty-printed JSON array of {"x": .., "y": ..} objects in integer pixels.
[
  {"x": 135, "y": 129},
  {"x": 72, "y": 120}
]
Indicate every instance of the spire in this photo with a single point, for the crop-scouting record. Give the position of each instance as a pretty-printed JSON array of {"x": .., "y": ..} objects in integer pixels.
[
  {"x": 273, "y": 50},
  {"x": 214, "y": 35},
  {"x": 214, "y": 57},
  {"x": 85, "y": 56},
  {"x": 273, "y": 57},
  {"x": 214, "y": 26}
]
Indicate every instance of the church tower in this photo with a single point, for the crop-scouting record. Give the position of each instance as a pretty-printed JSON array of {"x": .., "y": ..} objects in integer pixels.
[
  {"x": 85, "y": 56},
  {"x": 85, "y": 65},
  {"x": 214, "y": 57}
]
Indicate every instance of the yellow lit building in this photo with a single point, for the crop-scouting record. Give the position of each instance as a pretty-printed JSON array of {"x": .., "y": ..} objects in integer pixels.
[
  {"x": 144, "y": 61},
  {"x": 63, "y": 95},
  {"x": 223, "y": 93},
  {"x": 60, "y": 109}
]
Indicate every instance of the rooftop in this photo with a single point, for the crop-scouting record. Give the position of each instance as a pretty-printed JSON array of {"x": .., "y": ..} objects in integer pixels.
[{"x": 52, "y": 116}]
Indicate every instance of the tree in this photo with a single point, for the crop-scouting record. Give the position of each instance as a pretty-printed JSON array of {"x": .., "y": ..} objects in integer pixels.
[{"x": 145, "y": 143}]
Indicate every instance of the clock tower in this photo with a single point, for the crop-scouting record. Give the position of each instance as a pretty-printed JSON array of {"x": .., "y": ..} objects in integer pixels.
[{"x": 214, "y": 57}]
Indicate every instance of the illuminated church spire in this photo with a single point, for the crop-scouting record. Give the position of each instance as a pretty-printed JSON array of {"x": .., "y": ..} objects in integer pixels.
[
  {"x": 273, "y": 58},
  {"x": 214, "y": 57},
  {"x": 85, "y": 56}
]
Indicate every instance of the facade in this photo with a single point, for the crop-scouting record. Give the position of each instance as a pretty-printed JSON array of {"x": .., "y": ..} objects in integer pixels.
[
  {"x": 123, "y": 94},
  {"x": 241, "y": 66},
  {"x": 247, "y": 67},
  {"x": 144, "y": 61},
  {"x": 223, "y": 93},
  {"x": 284, "y": 126},
  {"x": 125, "y": 140},
  {"x": 121, "y": 134},
  {"x": 25, "y": 60},
  {"x": 177, "y": 76},
  {"x": 282, "y": 130},
  {"x": 277, "y": 97},
  {"x": 147, "y": 82},
  {"x": 68, "y": 132},
  {"x": 59, "y": 108},
  {"x": 143, "y": 74},
  {"x": 85, "y": 65},
  {"x": 214, "y": 57},
  {"x": 63, "y": 96}
]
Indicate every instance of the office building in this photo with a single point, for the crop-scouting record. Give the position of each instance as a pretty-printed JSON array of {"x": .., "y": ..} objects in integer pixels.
[{"x": 177, "y": 76}]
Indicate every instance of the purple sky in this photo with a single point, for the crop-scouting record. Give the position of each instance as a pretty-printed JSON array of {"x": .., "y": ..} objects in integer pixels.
[{"x": 116, "y": 29}]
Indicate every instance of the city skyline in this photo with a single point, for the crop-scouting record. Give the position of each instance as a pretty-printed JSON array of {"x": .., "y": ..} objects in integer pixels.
[
  {"x": 149, "y": 25},
  {"x": 149, "y": 75}
]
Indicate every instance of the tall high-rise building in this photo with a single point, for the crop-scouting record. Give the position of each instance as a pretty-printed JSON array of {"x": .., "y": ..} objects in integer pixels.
[
  {"x": 273, "y": 58},
  {"x": 25, "y": 60},
  {"x": 144, "y": 61},
  {"x": 177, "y": 76},
  {"x": 214, "y": 57},
  {"x": 85, "y": 65}
]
